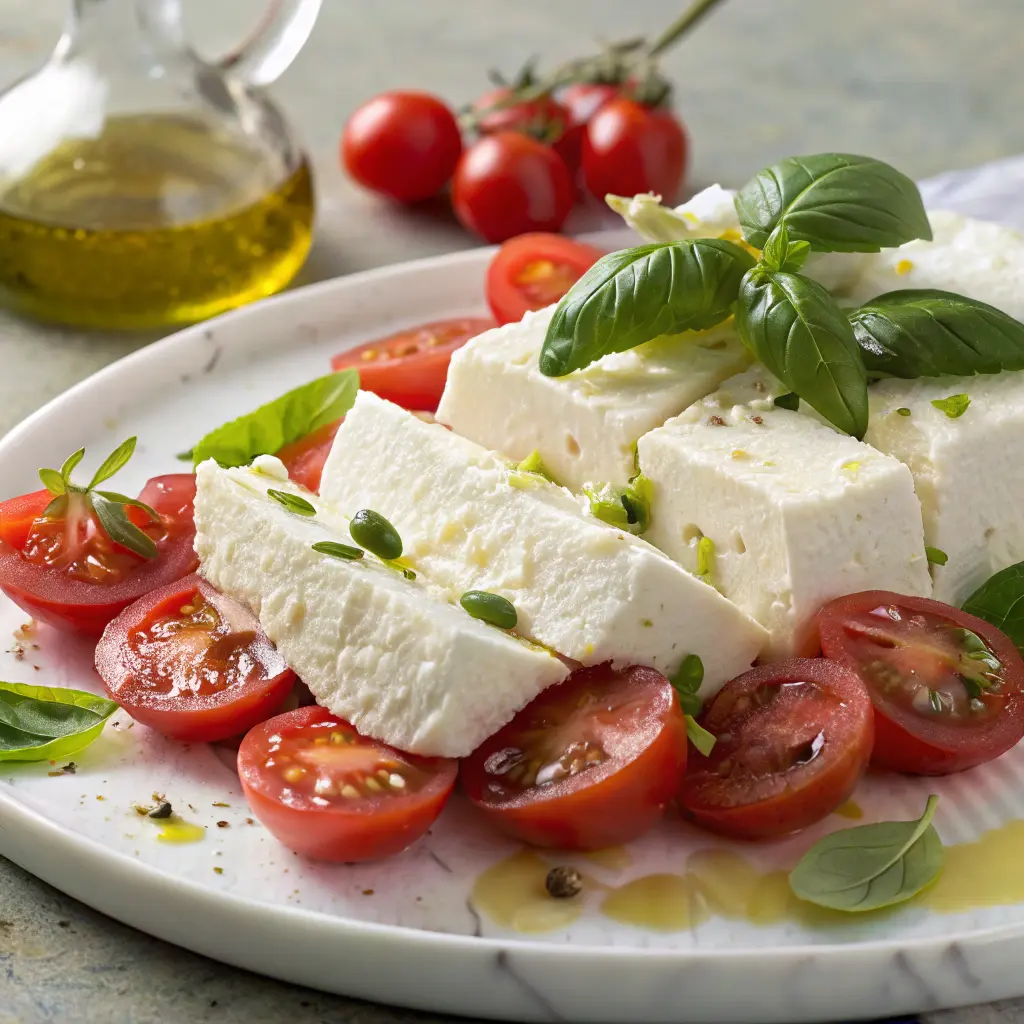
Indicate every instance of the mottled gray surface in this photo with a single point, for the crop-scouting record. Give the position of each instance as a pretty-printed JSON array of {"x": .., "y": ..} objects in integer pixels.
[{"x": 926, "y": 84}]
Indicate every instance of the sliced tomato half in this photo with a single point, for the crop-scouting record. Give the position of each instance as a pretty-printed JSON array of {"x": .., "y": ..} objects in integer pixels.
[
  {"x": 18, "y": 514},
  {"x": 325, "y": 791},
  {"x": 304, "y": 459},
  {"x": 947, "y": 688}
]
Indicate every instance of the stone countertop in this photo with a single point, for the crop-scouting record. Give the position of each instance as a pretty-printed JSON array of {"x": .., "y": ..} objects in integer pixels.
[{"x": 926, "y": 84}]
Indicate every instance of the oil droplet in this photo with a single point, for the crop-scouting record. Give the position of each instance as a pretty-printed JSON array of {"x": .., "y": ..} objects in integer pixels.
[
  {"x": 985, "y": 873},
  {"x": 512, "y": 894},
  {"x": 662, "y": 903},
  {"x": 851, "y": 809},
  {"x": 177, "y": 830}
]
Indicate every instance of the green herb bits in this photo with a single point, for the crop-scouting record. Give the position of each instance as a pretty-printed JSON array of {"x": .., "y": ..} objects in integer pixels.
[
  {"x": 490, "y": 608},
  {"x": 372, "y": 531}
]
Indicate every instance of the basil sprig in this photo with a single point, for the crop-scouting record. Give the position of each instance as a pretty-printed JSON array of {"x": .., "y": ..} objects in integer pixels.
[
  {"x": 639, "y": 294},
  {"x": 42, "y": 723},
  {"x": 1000, "y": 601},
  {"x": 871, "y": 866},
  {"x": 837, "y": 202}
]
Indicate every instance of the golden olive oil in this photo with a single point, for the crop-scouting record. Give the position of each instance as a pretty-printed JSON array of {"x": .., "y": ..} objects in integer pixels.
[{"x": 158, "y": 221}]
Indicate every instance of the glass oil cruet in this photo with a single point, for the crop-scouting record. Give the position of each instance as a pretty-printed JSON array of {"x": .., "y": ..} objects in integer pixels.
[{"x": 141, "y": 186}]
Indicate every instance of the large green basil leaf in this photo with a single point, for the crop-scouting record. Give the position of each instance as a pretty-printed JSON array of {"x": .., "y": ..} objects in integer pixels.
[
  {"x": 836, "y": 201},
  {"x": 796, "y": 329},
  {"x": 289, "y": 418},
  {"x": 635, "y": 295},
  {"x": 928, "y": 333},
  {"x": 1000, "y": 601},
  {"x": 42, "y": 723}
]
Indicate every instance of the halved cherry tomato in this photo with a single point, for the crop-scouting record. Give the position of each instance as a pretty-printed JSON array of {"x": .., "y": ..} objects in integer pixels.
[
  {"x": 948, "y": 688},
  {"x": 534, "y": 117},
  {"x": 304, "y": 459},
  {"x": 589, "y": 763},
  {"x": 410, "y": 368},
  {"x": 793, "y": 740},
  {"x": 18, "y": 514},
  {"x": 327, "y": 792},
  {"x": 71, "y": 575},
  {"x": 192, "y": 664}
]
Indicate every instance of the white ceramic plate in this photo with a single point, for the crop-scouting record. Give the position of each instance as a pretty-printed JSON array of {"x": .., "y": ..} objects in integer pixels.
[{"x": 405, "y": 931}]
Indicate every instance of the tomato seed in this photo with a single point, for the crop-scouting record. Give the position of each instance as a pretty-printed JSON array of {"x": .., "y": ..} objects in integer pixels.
[
  {"x": 349, "y": 792},
  {"x": 339, "y": 737},
  {"x": 294, "y": 774},
  {"x": 397, "y": 782},
  {"x": 370, "y": 353},
  {"x": 372, "y": 784}
]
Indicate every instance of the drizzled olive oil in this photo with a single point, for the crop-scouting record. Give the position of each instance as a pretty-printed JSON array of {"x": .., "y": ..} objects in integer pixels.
[{"x": 158, "y": 221}]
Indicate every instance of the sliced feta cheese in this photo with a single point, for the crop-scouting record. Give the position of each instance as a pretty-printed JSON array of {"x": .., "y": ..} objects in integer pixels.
[
  {"x": 392, "y": 656},
  {"x": 797, "y": 514},
  {"x": 585, "y": 425},
  {"x": 579, "y": 586},
  {"x": 968, "y": 470}
]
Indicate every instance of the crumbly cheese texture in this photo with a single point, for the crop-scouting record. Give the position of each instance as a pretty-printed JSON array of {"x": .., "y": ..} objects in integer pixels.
[
  {"x": 797, "y": 513},
  {"x": 968, "y": 470},
  {"x": 473, "y": 522},
  {"x": 585, "y": 425},
  {"x": 392, "y": 656}
]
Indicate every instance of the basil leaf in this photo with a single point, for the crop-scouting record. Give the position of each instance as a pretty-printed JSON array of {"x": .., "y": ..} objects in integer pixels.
[
  {"x": 119, "y": 528},
  {"x": 790, "y": 401},
  {"x": 289, "y": 418},
  {"x": 115, "y": 461},
  {"x": 123, "y": 499},
  {"x": 636, "y": 295},
  {"x": 70, "y": 463},
  {"x": 793, "y": 326},
  {"x": 935, "y": 556},
  {"x": 699, "y": 736},
  {"x": 780, "y": 253},
  {"x": 836, "y": 201},
  {"x": 927, "y": 333},
  {"x": 687, "y": 682},
  {"x": 871, "y": 866},
  {"x": 1000, "y": 601},
  {"x": 40, "y": 723},
  {"x": 53, "y": 481},
  {"x": 954, "y": 406}
]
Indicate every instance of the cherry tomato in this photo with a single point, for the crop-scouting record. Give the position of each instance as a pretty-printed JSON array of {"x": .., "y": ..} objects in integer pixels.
[
  {"x": 70, "y": 574},
  {"x": 304, "y": 459},
  {"x": 410, "y": 368},
  {"x": 192, "y": 664},
  {"x": 589, "y": 763},
  {"x": 536, "y": 116},
  {"x": 629, "y": 148},
  {"x": 402, "y": 144},
  {"x": 327, "y": 792},
  {"x": 507, "y": 184},
  {"x": 948, "y": 688},
  {"x": 18, "y": 514},
  {"x": 532, "y": 271},
  {"x": 581, "y": 101},
  {"x": 793, "y": 740}
]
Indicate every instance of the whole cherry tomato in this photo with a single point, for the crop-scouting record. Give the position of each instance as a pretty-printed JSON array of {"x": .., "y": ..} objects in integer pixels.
[
  {"x": 402, "y": 144},
  {"x": 534, "y": 117},
  {"x": 629, "y": 148},
  {"x": 508, "y": 183},
  {"x": 580, "y": 101}
]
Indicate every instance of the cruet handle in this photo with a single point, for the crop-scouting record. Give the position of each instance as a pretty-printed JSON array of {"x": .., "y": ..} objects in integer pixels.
[{"x": 264, "y": 55}]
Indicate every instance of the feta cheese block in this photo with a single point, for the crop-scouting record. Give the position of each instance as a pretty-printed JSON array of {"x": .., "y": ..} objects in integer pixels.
[
  {"x": 392, "y": 656},
  {"x": 585, "y": 425},
  {"x": 797, "y": 513},
  {"x": 581, "y": 587},
  {"x": 968, "y": 470}
]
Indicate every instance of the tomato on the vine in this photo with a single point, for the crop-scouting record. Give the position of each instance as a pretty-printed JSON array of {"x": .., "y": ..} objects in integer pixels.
[
  {"x": 402, "y": 144},
  {"x": 581, "y": 101},
  {"x": 535, "y": 116},
  {"x": 508, "y": 183}
]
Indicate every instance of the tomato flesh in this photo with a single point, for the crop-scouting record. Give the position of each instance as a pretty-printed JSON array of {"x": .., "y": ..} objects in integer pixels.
[
  {"x": 532, "y": 271},
  {"x": 590, "y": 763},
  {"x": 792, "y": 741},
  {"x": 192, "y": 664},
  {"x": 327, "y": 792},
  {"x": 304, "y": 459},
  {"x": 947, "y": 688},
  {"x": 18, "y": 514}
]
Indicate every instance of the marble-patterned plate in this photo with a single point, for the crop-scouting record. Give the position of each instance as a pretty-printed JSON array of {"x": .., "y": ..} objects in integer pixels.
[{"x": 680, "y": 927}]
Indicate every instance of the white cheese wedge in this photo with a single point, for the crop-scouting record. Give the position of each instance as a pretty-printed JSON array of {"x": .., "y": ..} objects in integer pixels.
[
  {"x": 583, "y": 588},
  {"x": 392, "y": 656},
  {"x": 585, "y": 425},
  {"x": 968, "y": 471},
  {"x": 797, "y": 513}
]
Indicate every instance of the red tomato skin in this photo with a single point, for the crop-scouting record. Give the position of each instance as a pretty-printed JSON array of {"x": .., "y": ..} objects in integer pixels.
[
  {"x": 333, "y": 833},
  {"x": 18, "y": 514},
  {"x": 798, "y": 808},
  {"x": 581, "y": 101},
  {"x": 190, "y": 722},
  {"x": 900, "y": 744},
  {"x": 617, "y": 809},
  {"x": 629, "y": 148},
  {"x": 76, "y": 606},
  {"x": 507, "y": 302},
  {"x": 304, "y": 459},
  {"x": 404, "y": 145},
  {"x": 416, "y": 381},
  {"x": 528, "y": 116},
  {"x": 507, "y": 184}
]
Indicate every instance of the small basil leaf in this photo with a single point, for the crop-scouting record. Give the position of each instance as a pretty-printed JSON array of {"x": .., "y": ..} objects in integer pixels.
[
  {"x": 954, "y": 406},
  {"x": 289, "y": 418},
  {"x": 871, "y": 866},
  {"x": 687, "y": 682},
  {"x": 123, "y": 499},
  {"x": 789, "y": 401},
  {"x": 793, "y": 326},
  {"x": 699, "y": 736},
  {"x": 115, "y": 461},
  {"x": 780, "y": 253},
  {"x": 185, "y": 456},
  {"x": 836, "y": 201},
  {"x": 70, "y": 464},
  {"x": 935, "y": 556},
  {"x": 53, "y": 481},
  {"x": 636, "y": 295},
  {"x": 40, "y": 723},
  {"x": 1000, "y": 601},
  {"x": 928, "y": 333},
  {"x": 119, "y": 528}
]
